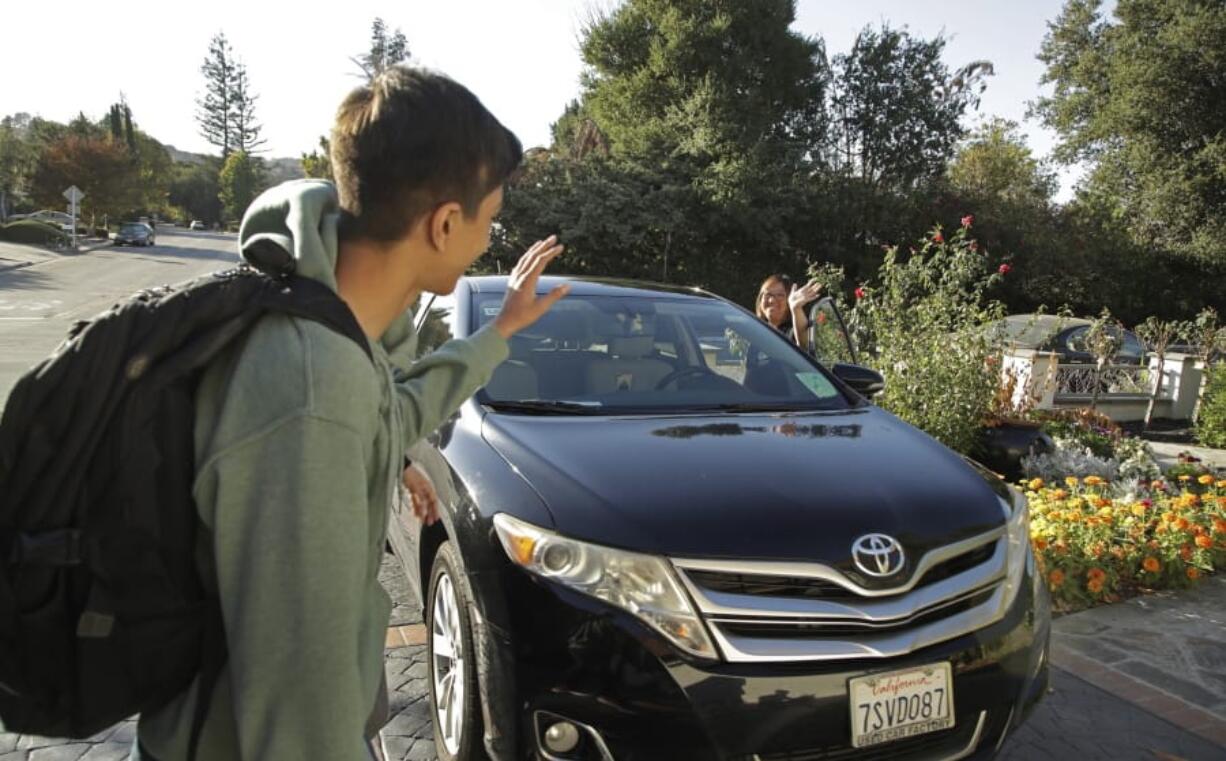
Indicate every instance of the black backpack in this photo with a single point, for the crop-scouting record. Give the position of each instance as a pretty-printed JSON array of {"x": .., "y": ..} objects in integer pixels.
[{"x": 102, "y": 610}]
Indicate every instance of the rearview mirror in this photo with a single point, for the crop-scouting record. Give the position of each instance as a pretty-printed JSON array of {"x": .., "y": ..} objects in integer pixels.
[{"x": 866, "y": 382}]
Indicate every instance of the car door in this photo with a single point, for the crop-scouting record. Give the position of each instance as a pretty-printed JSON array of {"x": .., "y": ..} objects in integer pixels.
[
  {"x": 829, "y": 340},
  {"x": 434, "y": 324}
]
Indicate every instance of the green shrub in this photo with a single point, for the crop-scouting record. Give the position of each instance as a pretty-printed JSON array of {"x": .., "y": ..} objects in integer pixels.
[
  {"x": 1211, "y": 422},
  {"x": 32, "y": 232},
  {"x": 925, "y": 321}
]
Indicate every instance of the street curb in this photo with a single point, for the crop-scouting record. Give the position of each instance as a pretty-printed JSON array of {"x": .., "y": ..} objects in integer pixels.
[{"x": 1147, "y": 697}]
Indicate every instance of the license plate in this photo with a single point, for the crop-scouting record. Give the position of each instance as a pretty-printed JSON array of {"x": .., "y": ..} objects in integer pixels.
[{"x": 901, "y": 704}]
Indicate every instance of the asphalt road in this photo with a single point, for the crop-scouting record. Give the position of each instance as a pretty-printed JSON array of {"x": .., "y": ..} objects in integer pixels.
[{"x": 40, "y": 301}]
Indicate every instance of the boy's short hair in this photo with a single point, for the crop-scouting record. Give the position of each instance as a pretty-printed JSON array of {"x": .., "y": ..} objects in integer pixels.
[{"x": 409, "y": 141}]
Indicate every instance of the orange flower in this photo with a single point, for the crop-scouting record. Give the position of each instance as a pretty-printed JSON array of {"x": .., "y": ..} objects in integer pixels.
[
  {"x": 1168, "y": 517},
  {"x": 1071, "y": 480},
  {"x": 1055, "y": 578},
  {"x": 1151, "y": 564},
  {"x": 1059, "y": 494},
  {"x": 1035, "y": 484},
  {"x": 1182, "y": 524},
  {"x": 1193, "y": 573},
  {"x": 1093, "y": 481},
  {"x": 1185, "y": 552},
  {"x": 1221, "y": 484},
  {"x": 1219, "y": 526},
  {"x": 1204, "y": 542},
  {"x": 1095, "y": 586},
  {"x": 1040, "y": 544},
  {"x": 1205, "y": 480},
  {"x": 1096, "y": 573},
  {"x": 1102, "y": 502}
]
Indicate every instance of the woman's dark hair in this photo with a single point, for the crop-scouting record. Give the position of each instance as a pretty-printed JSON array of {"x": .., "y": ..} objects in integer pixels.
[{"x": 410, "y": 140}]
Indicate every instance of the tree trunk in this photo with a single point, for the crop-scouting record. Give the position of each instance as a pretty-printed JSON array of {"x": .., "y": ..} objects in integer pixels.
[{"x": 1153, "y": 394}]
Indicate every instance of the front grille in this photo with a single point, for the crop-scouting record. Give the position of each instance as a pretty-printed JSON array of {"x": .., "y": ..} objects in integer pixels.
[
  {"x": 807, "y": 629},
  {"x": 786, "y": 611},
  {"x": 801, "y": 587}
]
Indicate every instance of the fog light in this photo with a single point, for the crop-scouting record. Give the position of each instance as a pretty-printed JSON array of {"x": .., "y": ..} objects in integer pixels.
[{"x": 562, "y": 737}]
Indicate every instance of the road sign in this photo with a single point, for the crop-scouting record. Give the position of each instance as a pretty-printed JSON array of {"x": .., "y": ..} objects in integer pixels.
[{"x": 74, "y": 196}]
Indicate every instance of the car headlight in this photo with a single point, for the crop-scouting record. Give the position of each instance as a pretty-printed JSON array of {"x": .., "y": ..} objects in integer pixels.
[
  {"x": 643, "y": 585},
  {"x": 1017, "y": 533}
]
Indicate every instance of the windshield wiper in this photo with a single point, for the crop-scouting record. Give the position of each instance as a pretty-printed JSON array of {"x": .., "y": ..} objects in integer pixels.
[
  {"x": 754, "y": 407},
  {"x": 548, "y": 407}
]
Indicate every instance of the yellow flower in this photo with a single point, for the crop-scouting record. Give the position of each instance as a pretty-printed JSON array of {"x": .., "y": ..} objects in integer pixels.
[
  {"x": 1185, "y": 477},
  {"x": 1221, "y": 484},
  {"x": 1059, "y": 494},
  {"x": 1093, "y": 481},
  {"x": 1205, "y": 480},
  {"x": 1035, "y": 484},
  {"x": 1071, "y": 480},
  {"x": 1138, "y": 509},
  {"x": 1151, "y": 564}
]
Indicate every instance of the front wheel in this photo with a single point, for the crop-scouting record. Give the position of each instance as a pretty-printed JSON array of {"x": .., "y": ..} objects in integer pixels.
[{"x": 452, "y": 661}]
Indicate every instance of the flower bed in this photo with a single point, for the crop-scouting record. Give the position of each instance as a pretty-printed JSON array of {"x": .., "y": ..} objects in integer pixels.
[{"x": 1096, "y": 545}]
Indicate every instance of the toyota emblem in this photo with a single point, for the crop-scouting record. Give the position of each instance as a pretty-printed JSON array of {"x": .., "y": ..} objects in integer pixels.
[{"x": 878, "y": 555}]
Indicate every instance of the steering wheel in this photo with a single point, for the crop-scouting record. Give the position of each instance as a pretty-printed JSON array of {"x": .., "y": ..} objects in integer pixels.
[{"x": 684, "y": 372}]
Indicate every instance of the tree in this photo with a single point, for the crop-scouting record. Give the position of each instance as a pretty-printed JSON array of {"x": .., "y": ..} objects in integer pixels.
[
  {"x": 194, "y": 190},
  {"x": 385, "y": 51},
  {"x": 1142, "y": 100},
  {"x": 215, "y": 110},
  {"x": 18, "y": 158},
  {"x": 896, "y": 109},
  {"x": 242, "y": 113},
  {"x": 101, "y": 168},
  {"x": 240, "y": 181},
  {"x": 995, "y": 165},
  {"x": 318, "y": 163}
]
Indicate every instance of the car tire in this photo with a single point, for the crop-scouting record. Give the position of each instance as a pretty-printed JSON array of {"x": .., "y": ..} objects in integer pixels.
[{"x": 451, "y": 661}]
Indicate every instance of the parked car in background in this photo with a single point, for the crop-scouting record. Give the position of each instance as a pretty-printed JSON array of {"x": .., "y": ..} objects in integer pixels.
[
  {"x": 1066, "y": 337},
  {"x": 134, "y": 234},
  {"x": 196, "y": 225},
  {"x": 668, "y": 533}
]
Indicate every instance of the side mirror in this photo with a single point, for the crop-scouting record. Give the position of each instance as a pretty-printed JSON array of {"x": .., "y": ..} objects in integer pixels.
[{"x": 867, "y": 382}]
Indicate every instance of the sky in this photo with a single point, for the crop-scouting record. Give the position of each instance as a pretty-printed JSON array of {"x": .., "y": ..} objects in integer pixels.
[{"x": 521, "y": 57}]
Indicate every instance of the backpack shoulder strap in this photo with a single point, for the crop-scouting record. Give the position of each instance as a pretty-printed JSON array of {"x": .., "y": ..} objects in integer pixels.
[{"x": 312, "y": 300}]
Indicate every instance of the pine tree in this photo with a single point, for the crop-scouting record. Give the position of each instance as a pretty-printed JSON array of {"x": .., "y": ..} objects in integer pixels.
[
  {"x": 246, "y": 130},
  {"x": 215, "y": 110}
]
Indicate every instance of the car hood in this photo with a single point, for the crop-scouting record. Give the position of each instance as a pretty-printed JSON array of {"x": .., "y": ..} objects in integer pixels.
[{"x": 774, "y": 487}]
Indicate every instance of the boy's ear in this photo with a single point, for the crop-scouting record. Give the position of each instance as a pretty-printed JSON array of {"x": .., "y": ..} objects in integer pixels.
[{"x": 441, "y": 224}]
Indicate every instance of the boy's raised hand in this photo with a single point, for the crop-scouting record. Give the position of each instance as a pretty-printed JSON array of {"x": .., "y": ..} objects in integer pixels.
[{"x": 522, "y": 307}]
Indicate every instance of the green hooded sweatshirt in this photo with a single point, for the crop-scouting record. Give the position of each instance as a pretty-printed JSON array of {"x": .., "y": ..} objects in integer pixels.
[{"x": 300, "y": 443}]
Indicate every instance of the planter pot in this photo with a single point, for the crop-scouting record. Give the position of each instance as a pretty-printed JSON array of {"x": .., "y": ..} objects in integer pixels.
[{"x": 1003, "y": 445}]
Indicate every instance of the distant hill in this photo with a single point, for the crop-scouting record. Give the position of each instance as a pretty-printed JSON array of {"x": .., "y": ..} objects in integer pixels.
[{"x": 279, "y": 170}]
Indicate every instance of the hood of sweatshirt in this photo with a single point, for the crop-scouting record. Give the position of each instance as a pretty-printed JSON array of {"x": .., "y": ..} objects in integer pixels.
[{"x": 292, "y": 228}]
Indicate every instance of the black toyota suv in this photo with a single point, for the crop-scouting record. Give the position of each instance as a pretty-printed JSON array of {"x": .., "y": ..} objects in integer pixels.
[{"x": 668, "y": 534}]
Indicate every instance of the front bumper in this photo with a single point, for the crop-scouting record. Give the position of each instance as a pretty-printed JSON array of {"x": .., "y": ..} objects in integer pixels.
[{"x": 561, "y": 655}]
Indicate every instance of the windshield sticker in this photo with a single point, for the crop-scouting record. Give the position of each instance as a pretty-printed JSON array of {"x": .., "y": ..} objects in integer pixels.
[
  {"x": 817, "y": 383},
  {"x": 491, "y": 311}
]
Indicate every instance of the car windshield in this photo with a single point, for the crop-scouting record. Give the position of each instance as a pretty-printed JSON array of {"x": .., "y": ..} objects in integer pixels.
[
  {"x": 132, "y": 229},
  {"x": 628, "y": 354}
]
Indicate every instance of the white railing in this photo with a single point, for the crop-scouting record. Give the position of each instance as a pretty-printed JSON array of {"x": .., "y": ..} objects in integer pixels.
[
  {"x": 1078, "y": 382},
  {"x": 1038, "y": 380}
]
